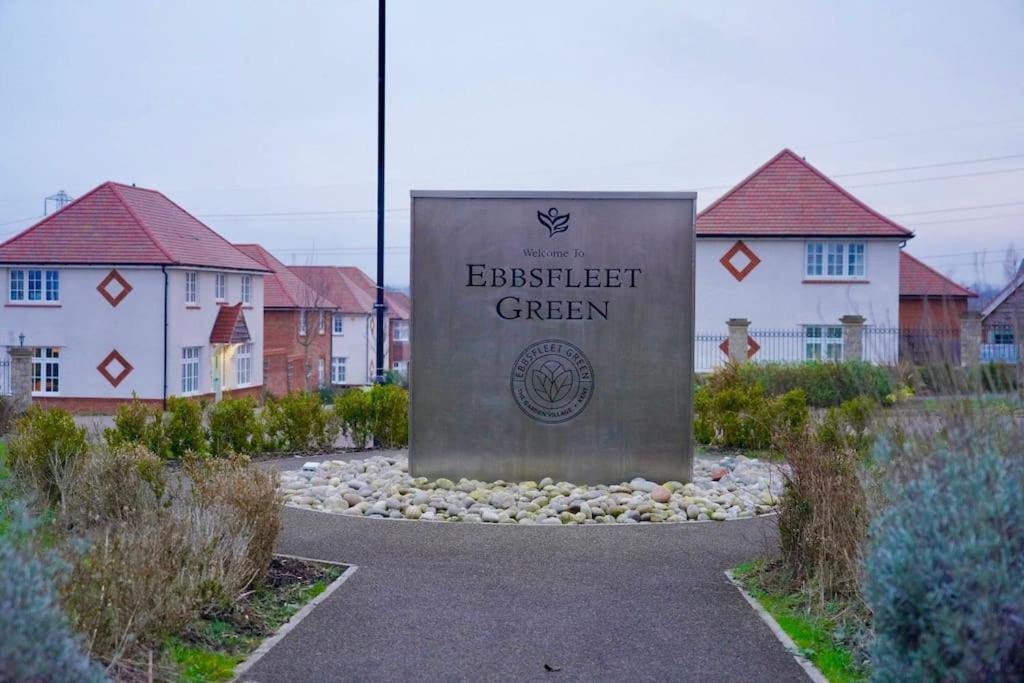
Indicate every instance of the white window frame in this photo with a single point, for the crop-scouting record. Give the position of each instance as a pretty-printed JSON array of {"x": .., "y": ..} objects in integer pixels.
[
  {"x": 220, "y": 287},
  {"x": 321, "y": 371},
  {"x": 191, "y": 288},
  {"x": 823, "y": 342},
  {"x": 46, "y": 290},
  {"x": 243, "y": 365},
  {"x": 400, "y": 330},
  {"x": 303, "y": 325},
  {"x": 320, "y": 328},
  {"x": 46, "y": 371},
  {"x": 835, "y": 260},
  {"x": 339, "y": 369},
  {"x": 338, "y": 324},
  {"x": 191, "y": 369},
  {"x": 246, "y": 295}
]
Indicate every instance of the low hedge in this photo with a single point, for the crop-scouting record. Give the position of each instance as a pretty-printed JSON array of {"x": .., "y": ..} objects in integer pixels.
[
  {"x": 824, "y": 384},
  {"x": 945, "y": 379}
]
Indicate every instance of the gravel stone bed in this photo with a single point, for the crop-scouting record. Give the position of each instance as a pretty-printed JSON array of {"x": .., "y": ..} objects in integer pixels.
[{"x": 723, "y": 488}]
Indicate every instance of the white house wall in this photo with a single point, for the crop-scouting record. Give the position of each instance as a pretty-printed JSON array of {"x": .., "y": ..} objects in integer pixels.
[
  {"x": 191, "y": 326},
  {"x": 87, "y": 328},
  {"x": 774, "y": 294}
]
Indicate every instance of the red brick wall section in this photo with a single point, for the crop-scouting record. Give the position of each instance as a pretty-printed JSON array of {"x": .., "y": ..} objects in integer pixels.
[
  {"x": 108, "y": 406},
  {"x": 919, "y": 313},
  {"x": 282, "y": 349}
]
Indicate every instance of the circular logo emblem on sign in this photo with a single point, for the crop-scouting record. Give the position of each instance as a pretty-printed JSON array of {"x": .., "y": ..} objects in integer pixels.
[{"x": 552, "y": 381}]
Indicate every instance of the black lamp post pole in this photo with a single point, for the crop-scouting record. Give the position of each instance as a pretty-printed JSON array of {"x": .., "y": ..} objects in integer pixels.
[{"x": 379, "y": 306}]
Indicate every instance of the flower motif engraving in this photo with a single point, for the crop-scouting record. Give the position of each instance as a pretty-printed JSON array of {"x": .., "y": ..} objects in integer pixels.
[
  {"x": 553, "y": 222},
  {"x": 552, "y": 381}
]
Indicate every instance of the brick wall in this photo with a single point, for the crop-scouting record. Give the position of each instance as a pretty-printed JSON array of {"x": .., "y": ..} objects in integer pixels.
[
  {"x": 284, "y": 355},
  {"x": 919, "y": 313}
]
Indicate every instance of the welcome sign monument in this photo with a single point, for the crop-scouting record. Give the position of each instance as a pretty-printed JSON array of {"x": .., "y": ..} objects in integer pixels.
[{"x": 552, "y": 335}]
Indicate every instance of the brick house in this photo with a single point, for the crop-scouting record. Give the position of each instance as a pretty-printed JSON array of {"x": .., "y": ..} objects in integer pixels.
[
  {"x": 793, "y": 252},
  {"x": 297, "y": 343},
  {"x": 353, "y": 325},
  {"x": 1003, "y": 323},
  {"x": 399, "y": 344},
  {"x": 123, "y": 292},
  {"x": 928, "y": 299}
]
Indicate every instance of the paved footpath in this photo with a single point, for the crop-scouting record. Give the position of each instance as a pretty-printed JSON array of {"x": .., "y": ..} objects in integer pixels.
[{"x": 445, "y": 601}]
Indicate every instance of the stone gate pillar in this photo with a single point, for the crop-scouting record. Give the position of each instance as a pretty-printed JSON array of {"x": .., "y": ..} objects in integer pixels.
[
  {"x": 853, "y": 337},
  {"x": 738, "y": 339},
  {"x": 21, "y": 375},
  {"x": 970, "y": 339}
]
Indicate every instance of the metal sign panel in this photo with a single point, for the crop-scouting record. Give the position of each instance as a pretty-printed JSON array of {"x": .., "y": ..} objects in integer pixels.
[{"x": 552, "y": 335}]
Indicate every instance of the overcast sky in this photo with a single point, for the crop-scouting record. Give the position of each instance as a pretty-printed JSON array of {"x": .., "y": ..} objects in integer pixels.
[{"x": 270, "y": 107}]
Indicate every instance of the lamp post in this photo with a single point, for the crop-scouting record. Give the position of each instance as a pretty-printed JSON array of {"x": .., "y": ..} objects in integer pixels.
[{"x": 380, "y": 307}]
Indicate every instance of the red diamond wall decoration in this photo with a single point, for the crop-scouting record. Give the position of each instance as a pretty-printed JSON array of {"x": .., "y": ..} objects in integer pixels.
[
  {"x": 114, "y": 288},
  {"x": 115, "y": 368},
  {"x": 752, "y": 260},
  {"x": 752, "y": 347}
]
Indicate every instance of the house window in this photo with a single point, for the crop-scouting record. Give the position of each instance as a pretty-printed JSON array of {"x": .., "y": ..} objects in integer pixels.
[
  {"x": 338, "y": 370},
  {"x": 191, "y": 288},
  {"x": 823, "y": 342},
  {"x": 243, "y": 365},
  {"x": 320, "y": 323},
  {"x": 34, "y": 285},
  {"x": 1002, "y": 335},
  {"x": 338, "y": 323},
  {"x": 190, "y": 369},
  {"x": 401, "y": 366},
  {"x": 401, "y": 330},
  {"x": 247, "y": 289},
  {"x": 46, "y": 370},
  {"x": 835, "y": 260},
  {"x": 302, "y": 323},
  {"x": 321, "y": 371},
  {"x": 220, "y": 288}
]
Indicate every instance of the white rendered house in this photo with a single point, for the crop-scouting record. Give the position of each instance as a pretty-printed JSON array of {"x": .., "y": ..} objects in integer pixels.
[
  {"x": 123, "y": 292},
  {"x": 792, "y": 252}
]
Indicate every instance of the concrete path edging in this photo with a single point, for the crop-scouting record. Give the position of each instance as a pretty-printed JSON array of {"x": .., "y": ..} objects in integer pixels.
[
  {"x": 273, "y": 640},
  {"x": 813, "y": 672}
]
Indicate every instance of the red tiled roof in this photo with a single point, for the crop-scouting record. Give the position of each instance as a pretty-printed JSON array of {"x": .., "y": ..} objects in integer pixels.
[
  {"x": 340, "y": 285},
  {"x": 230, "y": 327},
  {"x": 283, "y": 288},
  {"x": 789, "y": 197},
  {"x": 120, "y": 224},
  {"x": 398, "y": 303},
  {"x": 919, "y": 279}
]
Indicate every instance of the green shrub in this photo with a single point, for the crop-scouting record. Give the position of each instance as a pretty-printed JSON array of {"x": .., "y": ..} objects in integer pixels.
[
  {"x": 734, "y": 412},
  {"x": 234, "y": 426},
  {"x": 298, "y": 422},
  {"x": 137, "y": 423},
  {"x": 36, "y": 642},
  {"x": 184, "y": 426},
  {"x": 945, "y": 568},
  {"x": 390, "y": 415},
  {"x": 44, "y": 449},
  {"x": 354, "y": 410},
  {"x": 824, "y": 384},
  {"x": 945, "y": 379},
  {"x": 846, "y": 426}
]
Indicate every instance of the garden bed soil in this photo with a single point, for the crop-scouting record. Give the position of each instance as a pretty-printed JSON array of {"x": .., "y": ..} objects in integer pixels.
[{"x": 211, "y": 647}]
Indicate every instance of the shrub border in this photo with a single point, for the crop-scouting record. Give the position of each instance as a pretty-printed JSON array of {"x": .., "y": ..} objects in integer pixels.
[
  {"x": 303, "y": 612},
  {"x": 807, "y": 665}
]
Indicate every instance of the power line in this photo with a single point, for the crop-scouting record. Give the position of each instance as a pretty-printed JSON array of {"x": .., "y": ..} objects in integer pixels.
[
  {"x": 958, "y": 208},
  {"x": 924, "y": 166},
  {"x": 941, "y": 177},
  {"x": 965, "y": 220}
]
